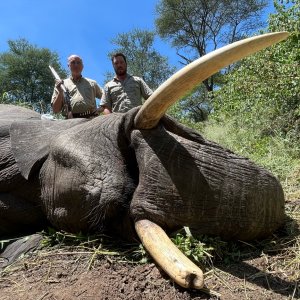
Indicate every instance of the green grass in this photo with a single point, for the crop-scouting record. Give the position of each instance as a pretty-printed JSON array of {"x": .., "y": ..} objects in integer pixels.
[
  {"x": 279, "y": 155},
  {"x": 95, "y": 245}
]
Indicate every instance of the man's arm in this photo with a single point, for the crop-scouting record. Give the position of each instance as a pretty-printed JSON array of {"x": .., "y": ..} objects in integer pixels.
[
  {"x": 145, "y": 90},
  {"x": 99, "y": 91},
  {"x": 106, "y": 102},
  {"x": 57, "y": 101}
]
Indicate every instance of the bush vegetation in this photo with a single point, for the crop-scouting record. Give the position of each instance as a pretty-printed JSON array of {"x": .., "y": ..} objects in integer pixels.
[
  {"x": 256, "y": 113},
  {"x": 257, "y": 110}
]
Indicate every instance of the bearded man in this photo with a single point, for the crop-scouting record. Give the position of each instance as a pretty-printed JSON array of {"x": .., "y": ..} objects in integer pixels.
[{"x": 124, "y": 91}]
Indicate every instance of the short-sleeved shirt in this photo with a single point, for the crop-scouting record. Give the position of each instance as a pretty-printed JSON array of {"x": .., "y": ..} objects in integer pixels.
[
  {"x": 83, "y": 94},
  {"x": 121, "y": 96}
]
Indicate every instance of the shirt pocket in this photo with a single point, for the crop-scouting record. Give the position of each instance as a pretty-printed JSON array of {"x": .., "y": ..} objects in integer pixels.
[
  {"x": 88, "y": 93},
  {"x": 116, "y": 93},
  {"x": 133, "y": 91}
]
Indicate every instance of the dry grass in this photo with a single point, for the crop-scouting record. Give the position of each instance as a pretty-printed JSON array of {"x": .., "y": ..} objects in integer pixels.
[{"x": 273, "y": 260}]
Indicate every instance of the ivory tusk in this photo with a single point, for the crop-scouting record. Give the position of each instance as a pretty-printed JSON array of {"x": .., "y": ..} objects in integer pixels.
[
  {"x": 194, "y": 73},
  {"x": 184, "y": 272}
]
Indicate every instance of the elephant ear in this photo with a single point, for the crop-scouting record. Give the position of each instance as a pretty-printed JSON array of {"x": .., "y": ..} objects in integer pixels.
[{"x": 30, "y": 141}]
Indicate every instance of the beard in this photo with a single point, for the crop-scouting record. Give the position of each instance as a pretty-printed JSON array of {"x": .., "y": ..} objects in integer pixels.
[{"x": 121, "y": 71}]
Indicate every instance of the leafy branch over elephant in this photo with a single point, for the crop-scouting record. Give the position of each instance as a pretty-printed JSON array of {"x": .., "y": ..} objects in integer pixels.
[{"x": 138, "y": 172}]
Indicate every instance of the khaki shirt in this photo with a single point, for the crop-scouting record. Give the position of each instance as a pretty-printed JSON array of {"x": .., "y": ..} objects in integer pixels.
[
  {"x": 83, "y": 93},
  {"x": 121, "y": 96}
]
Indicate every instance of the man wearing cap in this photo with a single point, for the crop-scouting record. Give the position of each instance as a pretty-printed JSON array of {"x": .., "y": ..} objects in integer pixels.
[{"x": 82, "y": 91}]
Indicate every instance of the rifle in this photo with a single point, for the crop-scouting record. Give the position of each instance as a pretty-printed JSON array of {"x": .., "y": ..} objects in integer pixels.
[{"x": 67, "y": 102}]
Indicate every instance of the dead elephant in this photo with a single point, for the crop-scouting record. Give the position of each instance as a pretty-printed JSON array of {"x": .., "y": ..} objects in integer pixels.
[{"x": 137, "y": 171}]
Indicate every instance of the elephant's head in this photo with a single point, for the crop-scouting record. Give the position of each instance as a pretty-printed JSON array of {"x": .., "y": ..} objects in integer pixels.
[{"x": 143, "y": 171}]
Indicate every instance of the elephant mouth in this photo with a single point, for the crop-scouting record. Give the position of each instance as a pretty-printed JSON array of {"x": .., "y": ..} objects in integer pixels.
[{"x": 164, "y": 252}]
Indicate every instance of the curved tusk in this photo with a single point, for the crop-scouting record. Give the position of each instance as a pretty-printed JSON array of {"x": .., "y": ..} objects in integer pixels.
[
  {"x": 168, "y": 256},
  {"x": 194, "y": 73}
]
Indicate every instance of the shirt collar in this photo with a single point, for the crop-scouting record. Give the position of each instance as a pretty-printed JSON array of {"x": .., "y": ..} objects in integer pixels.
[
  {"x": 77, "y": 80},
  {"x": 127, "y": 76}
]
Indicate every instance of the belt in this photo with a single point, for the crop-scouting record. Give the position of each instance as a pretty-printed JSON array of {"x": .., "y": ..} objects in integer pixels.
[{"x": 87, "y": 114}]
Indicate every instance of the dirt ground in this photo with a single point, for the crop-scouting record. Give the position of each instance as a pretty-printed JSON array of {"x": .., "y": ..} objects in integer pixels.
[
  {"x": 67, "y": 273},
  {"x": 64, "y": 270}
]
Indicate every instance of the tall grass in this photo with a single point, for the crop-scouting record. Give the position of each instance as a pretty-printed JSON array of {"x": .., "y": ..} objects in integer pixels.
[{"x": 280, "y": 155}]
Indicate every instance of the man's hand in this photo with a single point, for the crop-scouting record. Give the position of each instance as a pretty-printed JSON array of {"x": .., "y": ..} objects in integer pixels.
[
  {"x": 100, "y": 109},
  {"x": 106, "y": 110},
  {"x": 58, "y": 101},
  {"x": 58, "y": 84}
]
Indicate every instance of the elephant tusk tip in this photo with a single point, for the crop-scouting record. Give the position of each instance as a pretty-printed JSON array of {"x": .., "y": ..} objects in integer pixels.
[
  {"x": 180, "y": 269},
  {"x": 191, "y": 280}
]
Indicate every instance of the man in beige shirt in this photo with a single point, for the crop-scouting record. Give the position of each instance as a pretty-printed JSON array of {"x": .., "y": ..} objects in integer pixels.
[
  {"x": 124, "y": 91},
  {"x": 82, "y": 92}
]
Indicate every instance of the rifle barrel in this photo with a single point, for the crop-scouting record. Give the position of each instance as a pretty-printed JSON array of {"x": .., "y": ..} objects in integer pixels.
[{"x": 56, "y": 76}]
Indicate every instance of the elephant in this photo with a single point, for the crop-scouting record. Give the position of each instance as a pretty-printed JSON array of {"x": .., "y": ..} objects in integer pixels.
[{"x": 139, "y": 173}]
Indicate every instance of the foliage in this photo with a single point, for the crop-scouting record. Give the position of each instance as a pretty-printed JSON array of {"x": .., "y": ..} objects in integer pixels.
[
  {"x": 257, "y": 116},
  {"x": 205, "y": 251},
  {"x": 197, "y": 27},
  {"x": 278, "y": 154},
  {"x": 195, "y": 107},
  {"x": 25, "y": 76},
  {"x": 95, "y": 246},
  {"x": 142, "y": 58},
  {"x": 261, "y": 99},
  {"x": 202, "y": 26},
  {"x": 194, "y": 248},
  {"x": 5, "y": 99},
  {"x": 285, "y": 243}
]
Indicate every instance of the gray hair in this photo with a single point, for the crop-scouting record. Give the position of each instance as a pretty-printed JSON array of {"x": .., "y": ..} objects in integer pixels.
[{"x": 74, "y": 56}]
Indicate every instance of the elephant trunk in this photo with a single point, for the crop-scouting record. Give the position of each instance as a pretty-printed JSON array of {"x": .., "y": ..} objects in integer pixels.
[{"x": 180, "y": 269}]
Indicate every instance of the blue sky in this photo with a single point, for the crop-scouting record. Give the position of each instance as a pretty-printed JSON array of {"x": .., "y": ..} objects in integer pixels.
[{"x": 82, "y": 27}]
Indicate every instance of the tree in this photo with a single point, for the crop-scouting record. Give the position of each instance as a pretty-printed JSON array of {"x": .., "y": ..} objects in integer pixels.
[
  {"x": 196, "y": 27},
  {"x": 263, "y": 93},
  {"x": 25, "y": 75},
  {"x": 194, "y": 107},
  {"x": 142, "y": 58}
]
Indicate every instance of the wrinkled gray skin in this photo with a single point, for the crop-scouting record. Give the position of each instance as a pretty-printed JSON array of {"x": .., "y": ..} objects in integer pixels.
[{"x": 90, "y": 175}]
